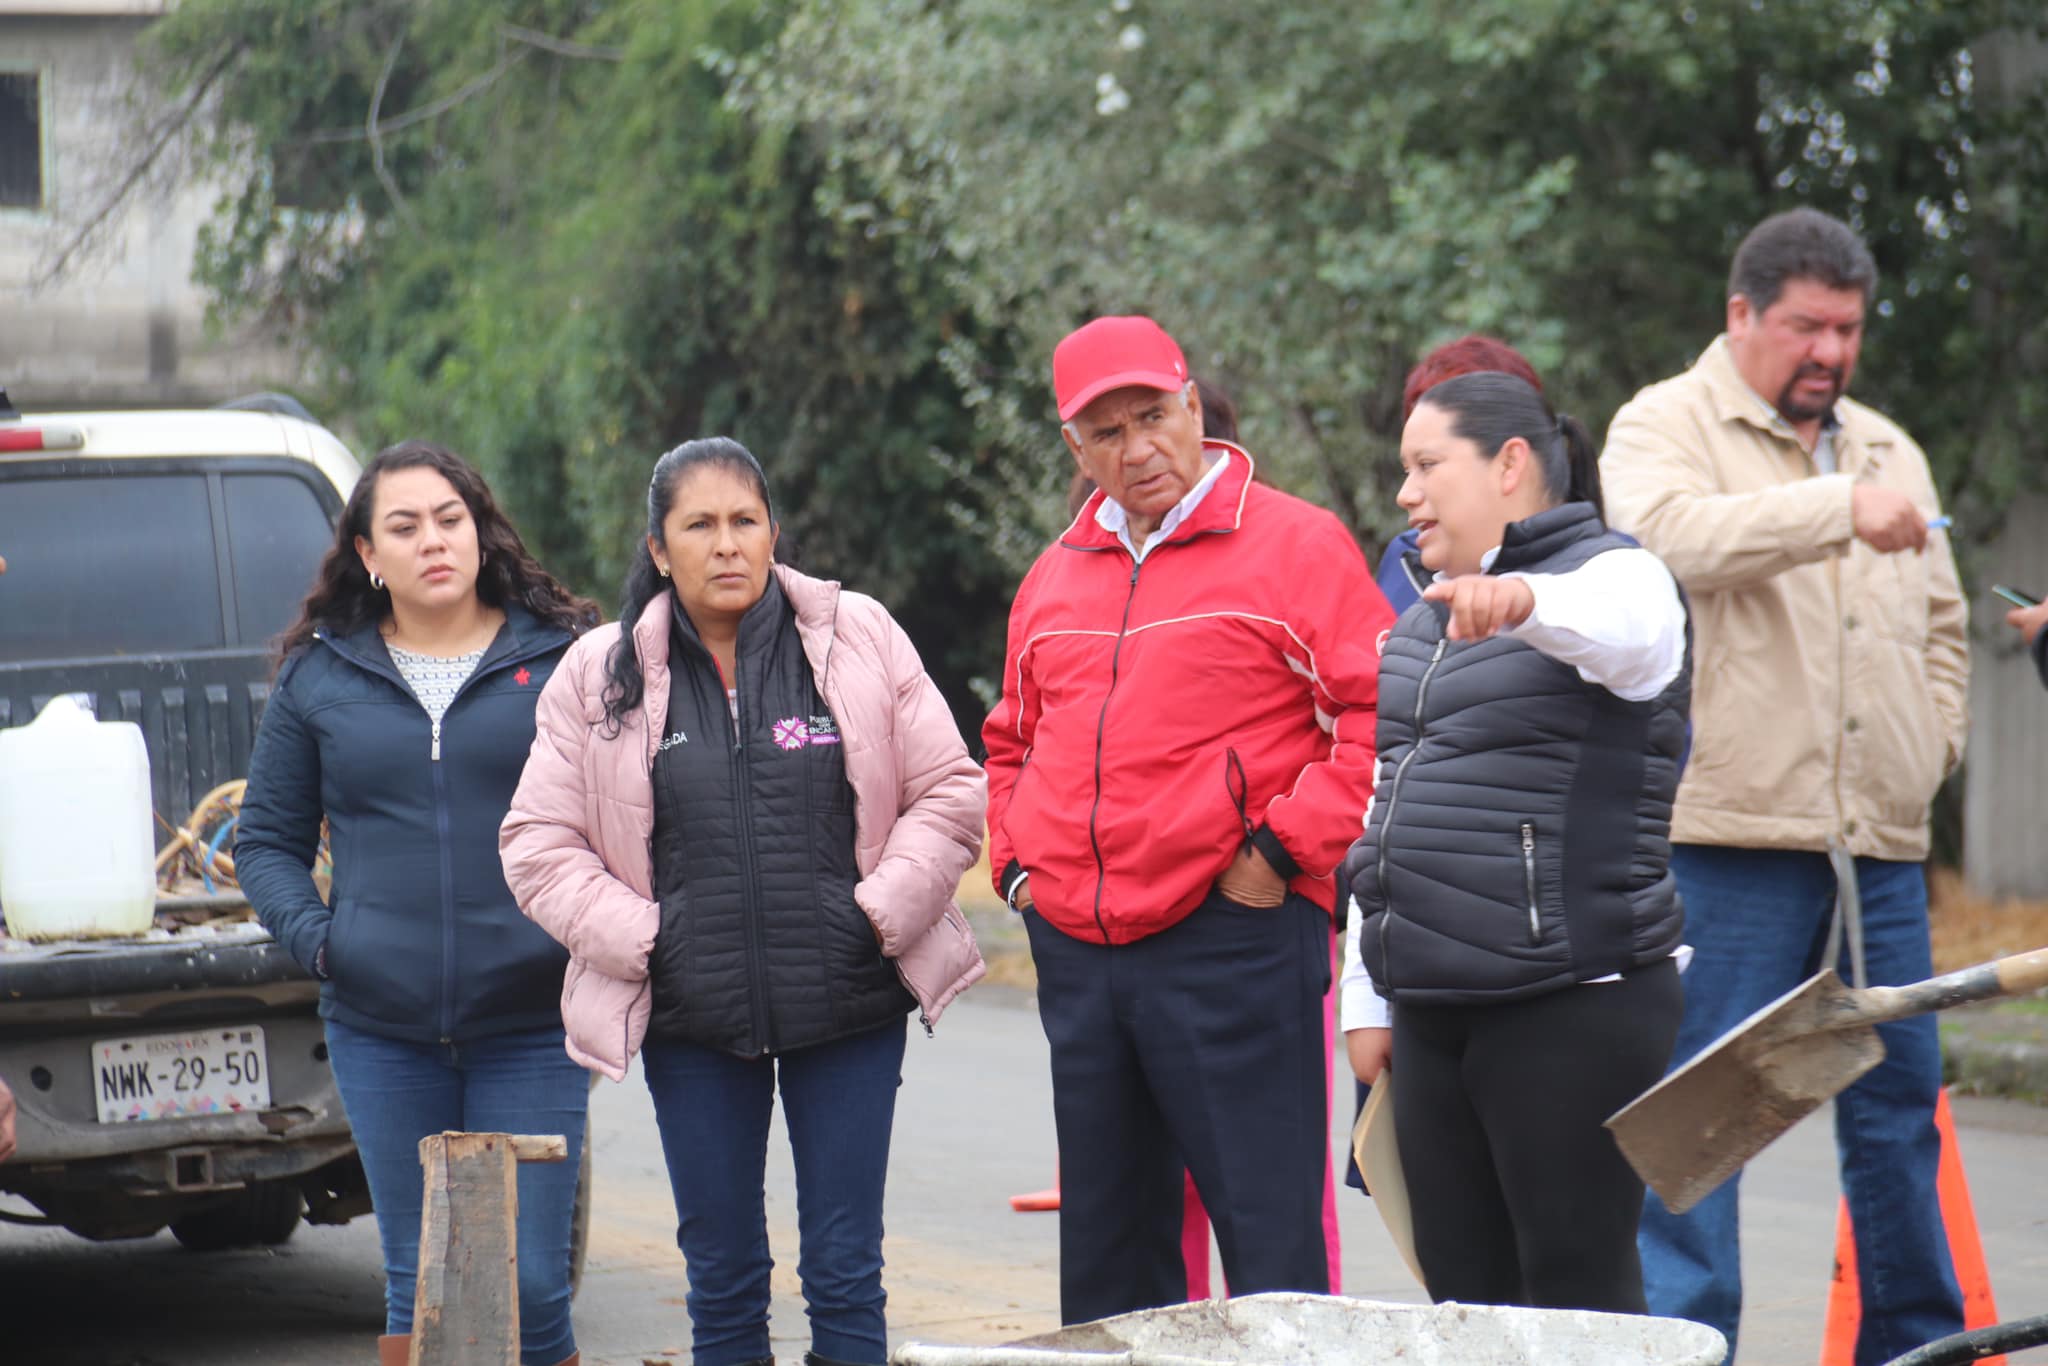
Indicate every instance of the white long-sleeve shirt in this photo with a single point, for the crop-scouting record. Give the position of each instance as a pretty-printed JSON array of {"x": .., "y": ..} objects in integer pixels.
[{"x": 1619, "y": 621}]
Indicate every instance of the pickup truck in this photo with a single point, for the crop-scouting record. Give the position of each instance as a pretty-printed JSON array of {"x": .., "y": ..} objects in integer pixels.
[{"x": 150, "y": 559}]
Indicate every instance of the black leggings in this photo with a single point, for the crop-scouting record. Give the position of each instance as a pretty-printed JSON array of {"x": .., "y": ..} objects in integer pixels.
[{"x": 1519, "y": 1195}]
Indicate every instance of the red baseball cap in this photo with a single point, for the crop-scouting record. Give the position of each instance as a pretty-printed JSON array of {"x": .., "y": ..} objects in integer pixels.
[{"x": 1111, "y": 353}]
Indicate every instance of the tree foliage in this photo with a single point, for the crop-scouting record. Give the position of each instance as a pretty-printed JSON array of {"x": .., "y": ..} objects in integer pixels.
[
  {"x": 563, "y": 253},
  {"x": 564, "y": 235},
  {"x": 1312, "y": 195}
]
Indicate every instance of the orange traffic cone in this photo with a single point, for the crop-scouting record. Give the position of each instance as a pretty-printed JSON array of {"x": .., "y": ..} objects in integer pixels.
[
  {"x": 1845, "y": 1307},
  {"x": 1036, "y": 1202}
]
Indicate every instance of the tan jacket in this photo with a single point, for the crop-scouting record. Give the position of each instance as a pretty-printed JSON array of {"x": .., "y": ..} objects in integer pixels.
[{"x": 1829, "y": 680}]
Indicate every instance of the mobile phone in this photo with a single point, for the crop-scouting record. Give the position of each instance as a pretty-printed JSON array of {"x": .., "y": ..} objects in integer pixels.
[{"x": 2015, "y": 596}]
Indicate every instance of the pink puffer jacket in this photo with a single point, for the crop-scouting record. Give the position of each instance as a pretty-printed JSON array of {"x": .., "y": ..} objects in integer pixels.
[{"x": 577, "y": 843}]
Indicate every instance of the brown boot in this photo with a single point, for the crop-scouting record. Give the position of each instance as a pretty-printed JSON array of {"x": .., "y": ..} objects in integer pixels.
[
  {"x": 394, "y": 1349},
  {"x": 573, "y": 1359}
]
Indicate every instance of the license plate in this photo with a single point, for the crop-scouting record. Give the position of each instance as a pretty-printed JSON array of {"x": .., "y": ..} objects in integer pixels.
[{"x": 176, "y": 1076}]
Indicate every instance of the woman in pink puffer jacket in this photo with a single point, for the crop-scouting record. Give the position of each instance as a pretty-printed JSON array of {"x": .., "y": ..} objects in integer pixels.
[{"x": 745, "y": 817}]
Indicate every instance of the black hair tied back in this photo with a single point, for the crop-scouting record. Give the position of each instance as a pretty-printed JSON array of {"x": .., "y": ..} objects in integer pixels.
[
  {"x": 1582, "y": 461},
  {"x": 1490, "y": 408}
]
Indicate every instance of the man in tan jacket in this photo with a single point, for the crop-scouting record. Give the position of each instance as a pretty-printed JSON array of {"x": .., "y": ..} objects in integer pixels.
[{"x": 1828, "y": 705}]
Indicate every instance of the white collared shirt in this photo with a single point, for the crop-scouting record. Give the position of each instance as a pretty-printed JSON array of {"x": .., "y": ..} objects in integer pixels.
[{"x": 1111, "y": 517}]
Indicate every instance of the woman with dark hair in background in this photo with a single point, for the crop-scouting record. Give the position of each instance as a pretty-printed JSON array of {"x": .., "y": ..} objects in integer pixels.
[
  {"x": 1519, "y": 910},
  {"x": 401, "y": 715},
  {"x": 746, "y": 813}
]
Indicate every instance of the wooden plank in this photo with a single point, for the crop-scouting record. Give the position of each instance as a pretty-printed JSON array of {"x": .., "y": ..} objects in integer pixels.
[
  {"x": 466, "y": 1306},
  {"x": 539, "y": 1147}
]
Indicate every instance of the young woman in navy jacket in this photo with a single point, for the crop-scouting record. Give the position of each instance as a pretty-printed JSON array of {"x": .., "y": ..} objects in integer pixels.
[{"x": 401, "y": 716}]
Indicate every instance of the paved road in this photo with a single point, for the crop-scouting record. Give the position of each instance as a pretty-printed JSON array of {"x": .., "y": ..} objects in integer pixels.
[{"x": 974, "y": 1125}]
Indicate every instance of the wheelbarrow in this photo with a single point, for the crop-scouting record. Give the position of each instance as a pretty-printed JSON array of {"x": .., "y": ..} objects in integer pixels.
[
  {"x": 1959, "y": 1349},
  {"x": 1334, "y": 1330}
]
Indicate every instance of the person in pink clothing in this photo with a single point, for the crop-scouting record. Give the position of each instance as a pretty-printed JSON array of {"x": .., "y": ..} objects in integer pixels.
[{"x": 745, "y": 814}]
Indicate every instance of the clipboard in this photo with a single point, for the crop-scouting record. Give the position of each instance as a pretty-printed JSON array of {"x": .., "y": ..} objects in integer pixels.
[{"x": 1379, "y": 1161}]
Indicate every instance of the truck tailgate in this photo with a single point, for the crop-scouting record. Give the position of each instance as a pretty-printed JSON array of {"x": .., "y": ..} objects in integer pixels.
[
  {"x": 61, "y": 1003},
  {"x": 198, "y": 712}
]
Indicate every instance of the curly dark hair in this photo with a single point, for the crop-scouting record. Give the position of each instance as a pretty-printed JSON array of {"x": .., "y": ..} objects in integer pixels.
[
  {"x": 344, "y": 601},
  {"x": 625, "y": 677}
]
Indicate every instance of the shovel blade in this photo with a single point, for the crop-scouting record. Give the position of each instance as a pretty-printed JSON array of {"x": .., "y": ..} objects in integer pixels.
[{"x": 1697, "y": 1127}]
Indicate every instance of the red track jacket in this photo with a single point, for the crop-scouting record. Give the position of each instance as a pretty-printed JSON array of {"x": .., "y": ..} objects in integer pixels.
[{"x": 1154, "y": 713}]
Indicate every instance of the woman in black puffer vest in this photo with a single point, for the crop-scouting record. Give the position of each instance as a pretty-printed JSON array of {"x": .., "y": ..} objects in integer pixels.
[{"x": 1519, "y": 913}]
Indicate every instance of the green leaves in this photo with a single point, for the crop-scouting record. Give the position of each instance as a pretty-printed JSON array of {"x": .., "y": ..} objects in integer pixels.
[
  {"x": 576, "y": 253},
  {"x": 1311, "y": 197},
  {"x": 849, "y": 233}
]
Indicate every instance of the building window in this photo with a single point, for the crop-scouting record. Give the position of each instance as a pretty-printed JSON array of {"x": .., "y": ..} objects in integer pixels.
[{"x": 21, "y": 140}]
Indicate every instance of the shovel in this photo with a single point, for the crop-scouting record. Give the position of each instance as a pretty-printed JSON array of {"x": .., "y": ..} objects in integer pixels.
[{"x": 1692, "y": 1130}]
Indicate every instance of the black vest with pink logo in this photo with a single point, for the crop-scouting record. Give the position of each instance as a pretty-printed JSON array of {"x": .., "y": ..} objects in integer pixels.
[{"x": 762, "y": 948}]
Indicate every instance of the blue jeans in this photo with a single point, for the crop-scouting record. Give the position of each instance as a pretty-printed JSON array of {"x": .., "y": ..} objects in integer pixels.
[
  {"x": 1758, "y": 921},
  {"x": 397, "y": 1093},
  {"x": 839, "y": 1103}
]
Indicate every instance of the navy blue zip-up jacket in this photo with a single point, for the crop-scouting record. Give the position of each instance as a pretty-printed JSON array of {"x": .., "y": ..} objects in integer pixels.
[{"x": 423, "y": 940}]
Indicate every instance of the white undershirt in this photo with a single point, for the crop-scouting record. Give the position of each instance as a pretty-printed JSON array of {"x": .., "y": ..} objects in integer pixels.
[
  {"x": 1111, "y": 517},
  {"x": 1619, "y": 621}
]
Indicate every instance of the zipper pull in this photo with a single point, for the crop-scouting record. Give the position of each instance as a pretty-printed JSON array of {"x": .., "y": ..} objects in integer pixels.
[
  {"x": 437, "y": 742},
  {"x": 739, "y": 714},
  {"x": 926, "y": 1021},
  {"x": 1529, "y": 873}
]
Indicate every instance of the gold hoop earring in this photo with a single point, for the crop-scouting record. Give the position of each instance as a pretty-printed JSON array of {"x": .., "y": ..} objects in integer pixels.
[
  {"x": 661, "y": 570},
  {"x": 376, "y": 580}
]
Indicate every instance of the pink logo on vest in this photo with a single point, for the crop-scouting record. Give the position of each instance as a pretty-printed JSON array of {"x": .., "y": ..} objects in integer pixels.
[{"x": 794, "y": 732}]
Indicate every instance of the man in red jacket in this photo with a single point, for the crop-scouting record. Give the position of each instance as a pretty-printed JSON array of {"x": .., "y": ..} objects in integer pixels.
[{"x": 1182, "y": 754}]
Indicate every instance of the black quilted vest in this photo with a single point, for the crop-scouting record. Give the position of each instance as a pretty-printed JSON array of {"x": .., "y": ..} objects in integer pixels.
[
  {"x": 761, "y": 948},
  {"x": 1519, "y": 839}
]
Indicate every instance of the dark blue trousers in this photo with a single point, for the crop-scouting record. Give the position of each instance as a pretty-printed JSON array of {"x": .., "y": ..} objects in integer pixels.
[
  {"x": 839, "y": 1104},
  {"x": 1200, "y": 1045}
]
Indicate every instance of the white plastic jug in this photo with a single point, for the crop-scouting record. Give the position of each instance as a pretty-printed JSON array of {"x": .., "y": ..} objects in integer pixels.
[{"x": 77, "y": 854}]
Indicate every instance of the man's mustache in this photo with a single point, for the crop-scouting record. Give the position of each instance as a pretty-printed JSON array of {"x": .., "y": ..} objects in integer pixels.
[{"x": 1811, "y": 371}]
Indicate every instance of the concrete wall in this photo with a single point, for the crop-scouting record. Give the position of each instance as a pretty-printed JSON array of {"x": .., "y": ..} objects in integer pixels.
[
  {"x": 124, "y": 324},
  {"x": 2005, "y": 787}
]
